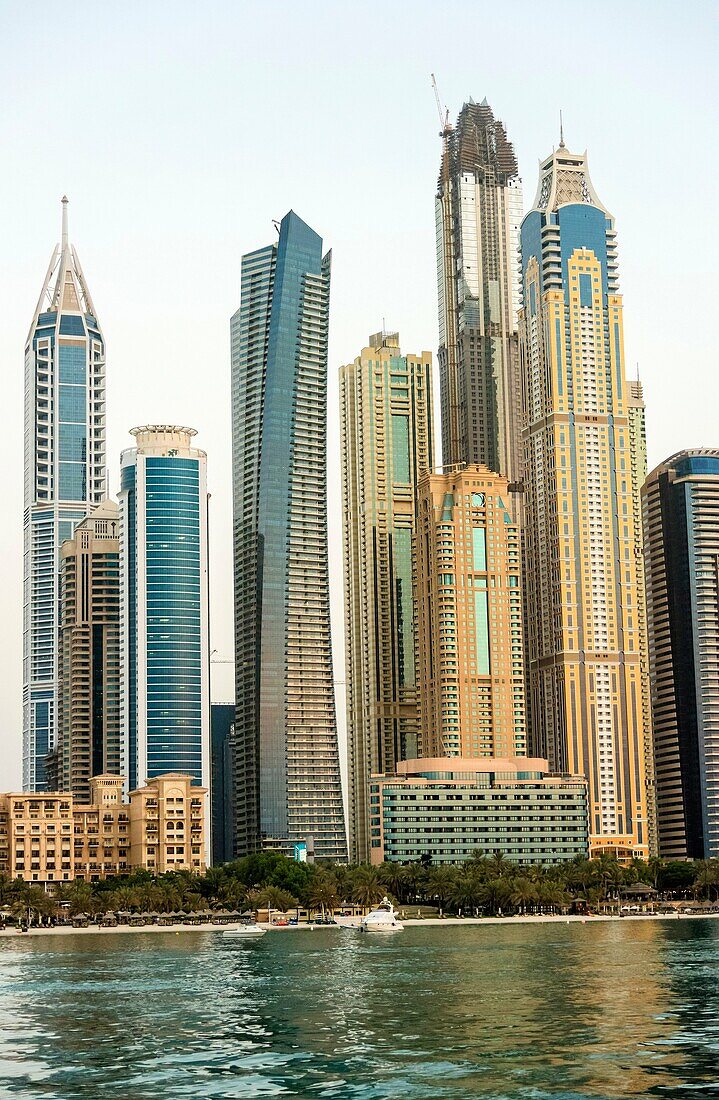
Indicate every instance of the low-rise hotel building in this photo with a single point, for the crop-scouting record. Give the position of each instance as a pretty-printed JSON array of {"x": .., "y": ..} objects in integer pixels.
[
  {"x": 445, "y": 809},
  {"x": 49, "y": 837}
]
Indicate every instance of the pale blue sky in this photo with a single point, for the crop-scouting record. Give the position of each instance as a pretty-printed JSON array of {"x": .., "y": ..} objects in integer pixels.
[{"x": 180, "y": 130}]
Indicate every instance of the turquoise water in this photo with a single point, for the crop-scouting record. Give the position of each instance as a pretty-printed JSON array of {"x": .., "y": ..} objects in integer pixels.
[{"x": 561, "y": 1011}]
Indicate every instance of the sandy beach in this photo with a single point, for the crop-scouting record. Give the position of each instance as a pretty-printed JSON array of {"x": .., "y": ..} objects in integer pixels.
[{"x": 351, "y": 922}]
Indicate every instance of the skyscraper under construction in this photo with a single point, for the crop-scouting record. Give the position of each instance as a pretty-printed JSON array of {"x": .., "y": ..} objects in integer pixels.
[{"x": 478, "y": 214}]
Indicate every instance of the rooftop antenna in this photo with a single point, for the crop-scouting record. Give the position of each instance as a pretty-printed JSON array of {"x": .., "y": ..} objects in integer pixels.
[
  {"x": 64, "y": 201},
  {"x": 561, "y": 131},
  {"x": 276, "y": 224}
]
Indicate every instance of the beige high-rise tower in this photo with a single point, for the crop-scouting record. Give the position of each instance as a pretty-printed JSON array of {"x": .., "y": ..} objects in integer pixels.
[
  {"x": 387, "y": 443},
  {"x": 585, "y": 624},
  {"x": 469, "y": 616},
  {"x": 89, "y": 650}
]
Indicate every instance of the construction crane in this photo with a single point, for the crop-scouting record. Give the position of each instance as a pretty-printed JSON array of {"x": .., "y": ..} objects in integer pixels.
[{"x": 443, "y": 116}]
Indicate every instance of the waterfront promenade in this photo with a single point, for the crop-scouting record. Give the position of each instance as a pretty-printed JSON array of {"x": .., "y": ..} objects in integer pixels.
[{"x": 450, "y": 923}]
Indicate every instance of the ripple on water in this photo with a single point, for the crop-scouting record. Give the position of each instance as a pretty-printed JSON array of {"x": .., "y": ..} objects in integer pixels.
[{"x": 562, "y": 1012}]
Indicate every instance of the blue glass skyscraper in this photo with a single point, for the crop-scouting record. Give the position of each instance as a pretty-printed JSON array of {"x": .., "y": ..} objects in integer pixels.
[
  {"x": 65, "y": 476},
  {"x": 164, "y": 657},
  {"x": 286, "y": 762}
]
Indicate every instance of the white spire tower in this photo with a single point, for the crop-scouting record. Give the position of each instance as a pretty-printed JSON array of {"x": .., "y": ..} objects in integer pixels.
[{"x": 65, "y": 475}]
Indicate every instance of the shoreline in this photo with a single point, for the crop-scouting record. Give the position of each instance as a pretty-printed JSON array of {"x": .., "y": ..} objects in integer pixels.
[{"x": 352, "y": 923}]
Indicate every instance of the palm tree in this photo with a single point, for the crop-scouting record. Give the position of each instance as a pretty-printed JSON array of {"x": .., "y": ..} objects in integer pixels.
[
  {"x": 322, "y": 893},
  {"x": 232, "y": 894},
  {"x": 414, "y": 875},
  {"x": 552, "y": 897},
  {"x": 31, "y": 900},
  {"x": 499, "y": 866},
  {"x": 392, "y": 877},
  {"x": 273, "y": 897},
  {"x": 6, "y": 889},
  {"x": 81, "y": 897},
  {"x": 441, "y": 883},
  {"x": 494, "y": 895},
  {"x": 707, "y": 879},
  {"x": 466, "y": 893},
  {"x": 366, "y": 887},
  {"x": 523, "y": 894},
  {"x": 654, "y": 866},
  {"x": 123, "y": 898}
]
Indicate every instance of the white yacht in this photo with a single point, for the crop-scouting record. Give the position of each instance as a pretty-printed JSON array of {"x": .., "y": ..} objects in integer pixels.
[
  {"x": 381, "y": 919},
  {"x": 245, "y": 931}
]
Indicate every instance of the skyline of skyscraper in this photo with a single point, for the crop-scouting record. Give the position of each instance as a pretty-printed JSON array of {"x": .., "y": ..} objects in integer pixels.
[
  {"x": 386, "y": 444},
  {"x": 287, "y": 775},
  {"x": 468, "y": 584},
  {"x": 680, "y": 502},
  {"x": 583, "y": 558},
  {"x": 89, "y": 672},
  {"x": 585, "y": 455},
  {"x": 64, "y": 477},
  {"x": 478, "y": 210},
  {"x": 164, "y": 624}
]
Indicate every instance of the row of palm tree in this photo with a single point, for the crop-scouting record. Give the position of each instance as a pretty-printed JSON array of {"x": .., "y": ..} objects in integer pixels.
[{"x": 486, "y": 884}]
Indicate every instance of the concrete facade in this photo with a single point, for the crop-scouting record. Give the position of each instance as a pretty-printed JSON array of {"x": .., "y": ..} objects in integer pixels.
[{"x": 445, "y": 810}]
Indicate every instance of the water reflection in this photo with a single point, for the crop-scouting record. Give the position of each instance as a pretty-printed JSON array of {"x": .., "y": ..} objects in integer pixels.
[{"x": 567, "y": 1012}]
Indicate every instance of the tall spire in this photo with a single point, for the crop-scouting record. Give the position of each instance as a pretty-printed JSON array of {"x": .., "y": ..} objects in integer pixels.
[
  {"x": 64, "y": 287},
  {"x": 561, "y": 131},
  {"x": 64, "y": 242}
]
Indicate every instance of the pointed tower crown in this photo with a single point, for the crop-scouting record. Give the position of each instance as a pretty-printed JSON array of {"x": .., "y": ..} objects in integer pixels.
[
  {"x": 563, "y": 179},
  {"x": 64, "y": 289}
]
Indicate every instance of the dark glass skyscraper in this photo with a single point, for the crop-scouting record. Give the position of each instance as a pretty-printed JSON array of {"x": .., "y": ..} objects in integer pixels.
[
  {"x": 680, "y": 504},
  {"x": 287, "y": 780}
]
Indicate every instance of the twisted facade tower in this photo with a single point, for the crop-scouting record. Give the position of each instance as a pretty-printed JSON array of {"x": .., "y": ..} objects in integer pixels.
[{"x": 287, "y": 789}]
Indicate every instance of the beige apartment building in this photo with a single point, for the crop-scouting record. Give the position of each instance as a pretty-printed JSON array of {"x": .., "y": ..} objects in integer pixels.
[
  {"x": 89, "y": 664},
  {"x": 49, "y": 837},
  {"x": 582, "y": 438},
  {"x": 468, "y": 598},
  {"x": 387, "y": 443},
  {"x": 167, "y": 824}
]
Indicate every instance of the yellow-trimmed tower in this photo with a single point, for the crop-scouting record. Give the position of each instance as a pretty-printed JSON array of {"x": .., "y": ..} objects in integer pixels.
[{"x": 586, "y": 636}]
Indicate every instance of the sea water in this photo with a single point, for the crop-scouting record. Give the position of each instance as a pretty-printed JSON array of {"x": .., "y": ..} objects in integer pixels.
[{"x": 567, "y": 1011}]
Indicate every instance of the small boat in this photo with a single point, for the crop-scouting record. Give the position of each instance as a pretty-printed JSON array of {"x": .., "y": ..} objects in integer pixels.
[
  {"x": 381, "y": 919},
  {"x": 245, "y": 932}
]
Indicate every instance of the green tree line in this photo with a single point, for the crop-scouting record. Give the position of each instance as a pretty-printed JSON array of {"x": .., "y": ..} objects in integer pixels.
[{"x": 485, "y": 884}]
